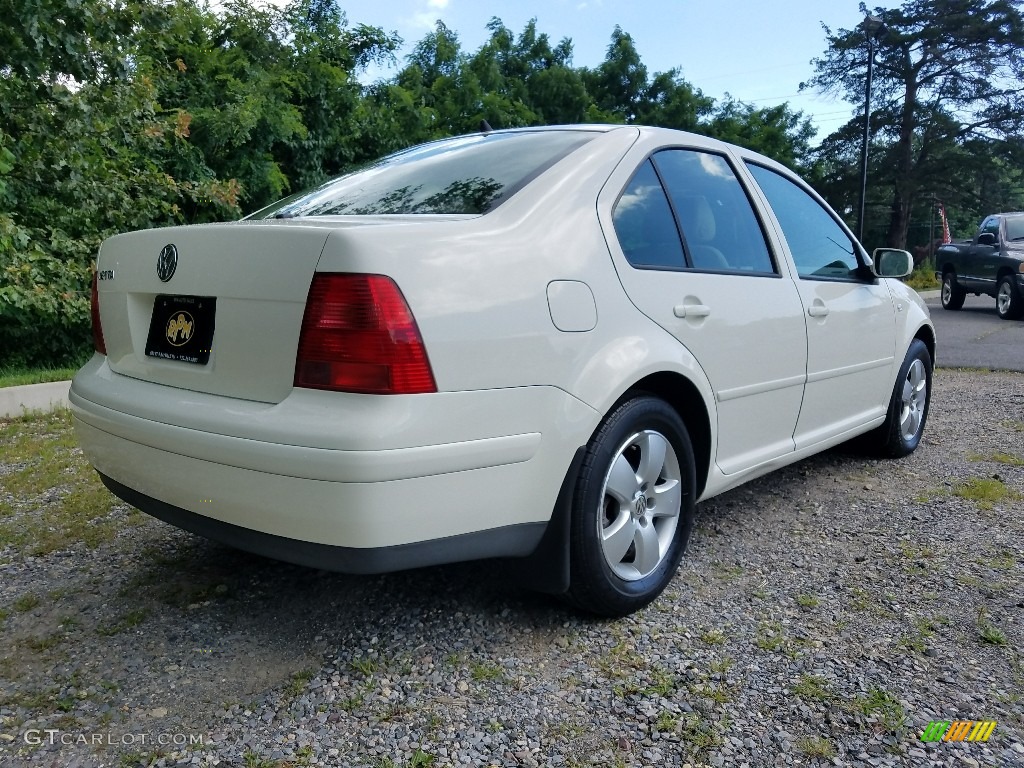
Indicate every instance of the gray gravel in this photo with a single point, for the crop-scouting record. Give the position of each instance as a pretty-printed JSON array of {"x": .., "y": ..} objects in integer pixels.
[{"x": 824, "y": 615}]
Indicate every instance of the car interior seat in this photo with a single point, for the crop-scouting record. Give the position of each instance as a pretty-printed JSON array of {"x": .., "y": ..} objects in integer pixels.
[{"x": 698, "y": 222}]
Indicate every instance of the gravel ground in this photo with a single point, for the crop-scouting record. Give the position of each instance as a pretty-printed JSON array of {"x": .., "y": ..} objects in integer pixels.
[{"x": 824, "y": 615}]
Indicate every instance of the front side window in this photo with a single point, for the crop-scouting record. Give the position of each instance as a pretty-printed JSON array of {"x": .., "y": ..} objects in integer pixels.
[
  {"x": 821, "y": 248},
  {"x": 990, "y": 225},
  {"x": 464, "y": 175}
]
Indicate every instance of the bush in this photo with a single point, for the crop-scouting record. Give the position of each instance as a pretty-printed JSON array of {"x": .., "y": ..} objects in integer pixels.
[
  {"x": 44, "y": 302},
  {"x": 923, "y": 278}
]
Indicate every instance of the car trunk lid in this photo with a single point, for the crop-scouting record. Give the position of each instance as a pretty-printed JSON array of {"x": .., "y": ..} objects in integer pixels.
[{"x": 226, "y": 319}]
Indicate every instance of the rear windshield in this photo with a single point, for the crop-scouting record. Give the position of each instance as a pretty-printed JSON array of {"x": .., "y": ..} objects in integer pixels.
[{"x": 465, "y": 175}]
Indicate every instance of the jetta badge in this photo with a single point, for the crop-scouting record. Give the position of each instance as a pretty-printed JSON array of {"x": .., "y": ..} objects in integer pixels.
[{"x": 167, "y": 262}]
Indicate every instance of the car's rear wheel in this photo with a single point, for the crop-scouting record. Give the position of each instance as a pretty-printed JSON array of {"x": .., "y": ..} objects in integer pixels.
[
  {"x": 633, "y": 508},
  {"x": 952, "y": 294},
  {"x": 1009, "y": 303},
  {"x": 901, "y": 432}
]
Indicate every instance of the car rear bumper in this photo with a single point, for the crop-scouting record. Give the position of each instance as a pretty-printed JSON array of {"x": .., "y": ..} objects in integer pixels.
[
  {"x": 508, "y": 541},
  {"x": 493, "y": 479}
]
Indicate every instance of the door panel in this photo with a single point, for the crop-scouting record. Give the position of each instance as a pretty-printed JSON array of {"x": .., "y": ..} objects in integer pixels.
[
  {"x": 849, "y": 357},
  {"x": 719, "y": 294},
  {"x": 850, "y": 317}
]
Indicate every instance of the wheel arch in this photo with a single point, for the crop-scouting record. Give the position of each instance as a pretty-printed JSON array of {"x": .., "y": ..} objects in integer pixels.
[
  {"x": 684, "y": 397},
  {"x": 927, "y": 334},
  {"x": 1004, "y": 271},
  {"x": 547, "y": 568}
]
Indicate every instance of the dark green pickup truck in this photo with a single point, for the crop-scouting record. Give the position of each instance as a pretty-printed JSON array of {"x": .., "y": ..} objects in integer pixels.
[{"x": 992, "y": 263}]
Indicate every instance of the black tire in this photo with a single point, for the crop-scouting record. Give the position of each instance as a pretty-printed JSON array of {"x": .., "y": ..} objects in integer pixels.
[
  {"x": 952, "y": 294},
  {"x": 609, "y": 517},
  {"x": 901, "y": 431},
  {"x": 1009, "y": 303}
]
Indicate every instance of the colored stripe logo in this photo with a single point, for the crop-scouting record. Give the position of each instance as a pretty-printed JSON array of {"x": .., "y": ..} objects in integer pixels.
[{"x": 958, "y": 730}]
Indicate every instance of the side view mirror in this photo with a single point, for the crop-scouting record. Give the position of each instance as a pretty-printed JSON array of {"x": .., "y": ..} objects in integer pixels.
[
  {"x": 986, "y": 238},
  {"x": 892, "y": 262}
]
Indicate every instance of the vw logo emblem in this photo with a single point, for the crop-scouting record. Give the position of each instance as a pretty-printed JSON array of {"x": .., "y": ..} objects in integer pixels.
[
  {"x": 640, "y": 505},
  {"x": 167, "y": 262}
]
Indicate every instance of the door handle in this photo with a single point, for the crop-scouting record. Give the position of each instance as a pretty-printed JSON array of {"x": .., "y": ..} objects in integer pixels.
[
  {"x": 817, "y": 309},
  {"x": 691, "y": 310}
]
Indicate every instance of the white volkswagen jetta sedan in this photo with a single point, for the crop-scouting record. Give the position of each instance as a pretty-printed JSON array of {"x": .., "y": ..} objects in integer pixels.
[{"x": 545, "y": 344}]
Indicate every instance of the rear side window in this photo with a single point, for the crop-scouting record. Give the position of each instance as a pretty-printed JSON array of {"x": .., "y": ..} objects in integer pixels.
[
  {"x": 1015, "y": 228},
  {"x": 719, "y": 227},
  {"x": 465, "y": 175},
  {"x": 644, "y": 223},
  {"x": 686, "y": 209}
]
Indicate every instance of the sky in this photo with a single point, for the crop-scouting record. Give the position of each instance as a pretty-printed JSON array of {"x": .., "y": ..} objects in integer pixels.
[{"x": 757, "y": 51}]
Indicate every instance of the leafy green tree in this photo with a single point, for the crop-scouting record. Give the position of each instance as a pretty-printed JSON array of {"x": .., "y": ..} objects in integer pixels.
[
  {"x": 949, "y": 74},
  {"x": 619, "y": 85},
  {"x": 777, "y": 132},
  {"x": 74, "y": 142}
]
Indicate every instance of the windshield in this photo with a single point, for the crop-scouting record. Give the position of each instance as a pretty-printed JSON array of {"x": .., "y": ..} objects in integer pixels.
[{"x": 464, "y": 175}]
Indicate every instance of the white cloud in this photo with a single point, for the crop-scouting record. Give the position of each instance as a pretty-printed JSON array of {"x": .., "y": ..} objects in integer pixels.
[{"x": 434, "y": 10}]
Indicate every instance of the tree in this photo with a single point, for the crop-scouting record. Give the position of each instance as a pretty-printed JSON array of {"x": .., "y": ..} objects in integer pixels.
[
  {"x": 619, "y": 84},
  {"x": 777, "y": 132},
  {"x": 949, "y": 74}
]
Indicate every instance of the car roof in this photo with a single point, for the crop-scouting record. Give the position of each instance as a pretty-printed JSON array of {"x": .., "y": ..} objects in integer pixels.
[{"x": 667, "y": 135}]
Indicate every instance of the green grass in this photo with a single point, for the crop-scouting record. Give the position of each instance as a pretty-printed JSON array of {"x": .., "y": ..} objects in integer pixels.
[
  {"x": 298, "y": 682},
  {"x": 123, "y": 623},
  {"x": 1008, "y": 459},
  {"x": 985, "y": 491},
  {"x": 44, "y": 643},
  {"x": 924, "y": 628},
  {"x": 726, "y": 572},
  {"x": 883, "y": 706},
  {"x": 812, "y": 687},
  {"x": 667, "y": 722},
  {"x": 698, "y": 734},
  {"x": 721, "y": 666},
  {"x": 989, "y": 632},
  {"x": 713, "y": 637},
  {"x": 55, "y": 498},
  {"x": 16, "y": 377},
  {"x": 364, "y": 666},
  {"x": 26, "y": 603},
  {"x": 815, "y": 746},
  {"x": 770, "y": 636},
  {"x": 483, "y": 671},
  {"x": 912, "y": 552},
  {"x": 807, "y": 601},
  {"x": 1003, "y": 560},
  {"x": 662, "y": 683}
]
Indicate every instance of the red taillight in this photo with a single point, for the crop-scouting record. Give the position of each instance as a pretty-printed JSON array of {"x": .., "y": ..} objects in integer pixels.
[
  {"x": 97, "y": 327},
  {"x": 358, "y": 335}
]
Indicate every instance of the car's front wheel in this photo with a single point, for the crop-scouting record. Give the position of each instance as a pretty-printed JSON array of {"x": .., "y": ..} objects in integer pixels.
[
  {"x": 1009, "y": 303},
  {"x": 952, "y": 294},
  {"x": 633, "y": 508},
  {"x": 901, "y": 432}
]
